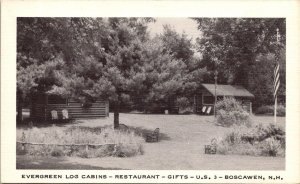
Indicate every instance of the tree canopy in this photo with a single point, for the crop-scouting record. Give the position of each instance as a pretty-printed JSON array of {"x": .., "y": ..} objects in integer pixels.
[
  {"x": 117, "y": 59},
  {"x": 235, "y": 47},
  {"x": 87, "y": 58}
]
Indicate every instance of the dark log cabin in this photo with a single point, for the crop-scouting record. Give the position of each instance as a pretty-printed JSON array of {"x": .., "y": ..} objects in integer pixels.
[
  {"x": 205, "y": 97},
  {"x": 138, "y": 104},
  {"x": 43, "y": 104}
]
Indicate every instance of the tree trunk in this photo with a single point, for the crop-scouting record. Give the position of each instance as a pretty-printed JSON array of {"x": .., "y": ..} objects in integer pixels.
[
  {"x": 19, "y": 106},
  {"x": 116, "y": 114}
]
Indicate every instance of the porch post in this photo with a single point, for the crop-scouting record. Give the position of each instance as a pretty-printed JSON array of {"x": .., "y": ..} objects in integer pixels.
[{"x": 195, "y": 108}]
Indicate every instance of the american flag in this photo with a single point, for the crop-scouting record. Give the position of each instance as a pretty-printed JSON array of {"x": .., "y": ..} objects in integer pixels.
[{"x": 276, "y": 79}]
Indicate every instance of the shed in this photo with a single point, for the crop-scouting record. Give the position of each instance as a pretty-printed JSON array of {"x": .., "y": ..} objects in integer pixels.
[
  {"x": 43, "y": 104},
  {"x": 205, "y": 97}
]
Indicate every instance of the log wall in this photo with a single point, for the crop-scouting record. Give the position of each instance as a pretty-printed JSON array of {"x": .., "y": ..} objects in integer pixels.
[{"x": 100, "y": 108}]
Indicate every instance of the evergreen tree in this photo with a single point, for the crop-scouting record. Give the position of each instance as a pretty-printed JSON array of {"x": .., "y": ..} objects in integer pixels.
[{"x": 234, "y": 47}]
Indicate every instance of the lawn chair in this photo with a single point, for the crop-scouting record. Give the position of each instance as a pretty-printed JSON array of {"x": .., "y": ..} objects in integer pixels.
[
  {"x": 153, "y": 136},
  {"x": 203, "y": 109},
  {"x": 208, "y": 110},
  {"x": 65, "y": 114},
  {"x": 54, "y": 115},
  {"x": 212, "y": 148}
]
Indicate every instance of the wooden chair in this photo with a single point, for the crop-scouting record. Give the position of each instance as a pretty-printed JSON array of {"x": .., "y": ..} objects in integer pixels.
[
  {"x": 212, "y": 148},
  {"x": 54, "y": 115},
  {"x": 208, "y": 110},
  {"x": 203, "y": 109},
  {"x": 65, "y": 114},
  {"x": 153, "y": 136}
]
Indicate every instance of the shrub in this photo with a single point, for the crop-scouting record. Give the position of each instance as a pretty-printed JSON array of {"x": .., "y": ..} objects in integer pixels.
[
  {"x": 185, "y": 107},
  {"x": 269, "y": 109},
  {"x": 271, "y": 147},
  {"x": 237, "y": 149},
  {"x": 127, "y": 142},
  {"x": 260, "y": 133},
  {"x": 232, "y": 138},
  {"x": 229, "y": 104},
  {"x": 259, "y": 140},
  {"x": 57, "y": 152},
  {"x": 230, "y": 112},
  {"x": 265, "y": 109},
  {"x": 280, "y": 110},
  {"x": 21, "y": 151}
]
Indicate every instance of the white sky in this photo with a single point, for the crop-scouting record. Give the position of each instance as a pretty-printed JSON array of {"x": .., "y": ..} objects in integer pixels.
[{"x": 181, "y": 24}]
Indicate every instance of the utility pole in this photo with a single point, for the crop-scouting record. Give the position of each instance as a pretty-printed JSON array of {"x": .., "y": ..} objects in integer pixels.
[{"x": 216, "y": 77}]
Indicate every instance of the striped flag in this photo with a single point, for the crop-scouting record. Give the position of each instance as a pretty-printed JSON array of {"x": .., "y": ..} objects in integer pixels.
[{"x": 276, "y": 79}]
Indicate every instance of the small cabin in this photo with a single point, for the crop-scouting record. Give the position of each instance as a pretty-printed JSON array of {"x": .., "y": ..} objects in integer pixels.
[
  {"x": 137, "y": 103},
  {"x": 205, "y": 97},
  {"x": 43, "y": 104}
]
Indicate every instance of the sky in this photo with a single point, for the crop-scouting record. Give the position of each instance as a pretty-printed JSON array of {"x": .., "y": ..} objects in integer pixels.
[{"x": 180, "y": 24}]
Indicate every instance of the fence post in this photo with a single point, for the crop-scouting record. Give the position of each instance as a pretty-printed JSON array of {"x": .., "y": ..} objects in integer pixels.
[
  {"x": 86, "y": 147},
  {"x": 23, "y": 140},
  {"x": 115, "y": 148}
]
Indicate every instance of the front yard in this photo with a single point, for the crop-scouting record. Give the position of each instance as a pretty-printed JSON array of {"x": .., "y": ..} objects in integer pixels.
[{"x": 181, "y": 147}]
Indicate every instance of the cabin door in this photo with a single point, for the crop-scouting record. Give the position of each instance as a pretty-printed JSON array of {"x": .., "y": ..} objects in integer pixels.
[{"x": 198, "y": 102}]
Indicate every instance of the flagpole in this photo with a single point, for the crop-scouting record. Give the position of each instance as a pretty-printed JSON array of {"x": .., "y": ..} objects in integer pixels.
[
  {"x": 275, "y": 109},
  {"x": 275, "y": 80}
]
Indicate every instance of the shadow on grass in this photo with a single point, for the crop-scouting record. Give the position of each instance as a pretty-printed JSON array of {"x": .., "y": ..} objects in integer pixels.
[
  {"x": 141, "y": 131},
  {"x": 29, "y": 123},
  {"x": 28, "y": 162},
  {"x": 144, "y": 132}
]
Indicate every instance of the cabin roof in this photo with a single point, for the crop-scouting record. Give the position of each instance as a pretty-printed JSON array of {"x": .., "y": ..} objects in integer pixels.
[{"x": 228, "y": 90}]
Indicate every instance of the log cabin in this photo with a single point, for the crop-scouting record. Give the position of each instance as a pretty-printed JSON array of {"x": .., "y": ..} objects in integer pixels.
[
  {"x": 205, "y": 97},
  {"x": 42, "y": 105}
]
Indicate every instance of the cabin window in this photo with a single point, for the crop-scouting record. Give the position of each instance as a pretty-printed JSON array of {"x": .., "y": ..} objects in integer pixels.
[
  {"x": 39, "y": 99},
  {"x": 208, "y": 100},
  {"x": 56, "y": 99}
]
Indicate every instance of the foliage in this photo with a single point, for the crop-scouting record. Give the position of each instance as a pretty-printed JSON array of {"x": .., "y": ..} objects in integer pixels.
[
  {"x": 185, "y": 106},
  {"x": 269, "y": 109},
  {"x": 280, "y": 110},
  {"x": 258, "y": 141},
  {"x": 57, "y": 152},
  {"x": 261, "y": 78},
  {"x": 127, "y": 142},
  {"x": 242, "y": 50},
  {"x": 228, "y": 104},
  {"x": 162, "y": 75},
  {"x": 235, "y": 42},
  {"x": 48, "y": 49},
  {"x": 183, "y": 48},
  {"x": 116, "y": 59},
  {"x": 230, "y": 112},
  {"x": 178, "y": 45},
  {"x": 112, "y": 58},
  {"x": 271, "y": 147}
]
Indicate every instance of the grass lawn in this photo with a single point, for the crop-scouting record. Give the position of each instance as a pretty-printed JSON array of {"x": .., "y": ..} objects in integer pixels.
[{"x": 181, "y": 147}]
